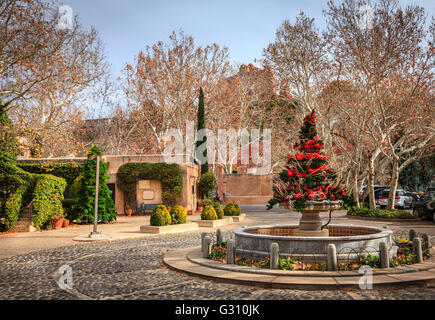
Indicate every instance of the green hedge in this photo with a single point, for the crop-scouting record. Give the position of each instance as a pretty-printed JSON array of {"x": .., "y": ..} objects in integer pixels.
[
  {"x": 380, "y": 213},
  {"x": 68, "y": 171},
  {"x": 12, "y": 208},
  {"x": 47, "y": 199},
  {"x": 19, "y": 187},
  {"x": 169, "y": 175}
]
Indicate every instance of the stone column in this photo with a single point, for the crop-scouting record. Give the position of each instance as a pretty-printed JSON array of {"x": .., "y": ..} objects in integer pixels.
[
  {"x": 332, "y": 257},
  {"x": 219, "y": 236},
  {"x": 425, "y": 243},
  {"x": 274, "y": 256},
  {"x": 206, "y": 247},
  {"x": 231, "y": 254},
  {"x": 417, "y": 250},
  {"x": 384, "y": 255},
  {"x": 412, "y": 234}
]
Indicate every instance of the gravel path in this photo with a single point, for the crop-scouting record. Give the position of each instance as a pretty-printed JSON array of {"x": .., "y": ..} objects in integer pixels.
[{"x": 133, "y": 269}]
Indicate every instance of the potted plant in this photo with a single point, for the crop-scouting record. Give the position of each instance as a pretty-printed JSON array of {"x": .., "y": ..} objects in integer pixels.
[
  {"x": 65, "y": 223},
  {"x": 57, "y": 221},
  {"x": 200, "y": 205},
  {"x": 129, "y": 212}
]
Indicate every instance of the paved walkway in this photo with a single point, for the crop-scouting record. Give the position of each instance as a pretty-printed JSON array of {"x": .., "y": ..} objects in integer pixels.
[
  {"x": 128, "y": 228},
  {"x": 133, "y": 269}
]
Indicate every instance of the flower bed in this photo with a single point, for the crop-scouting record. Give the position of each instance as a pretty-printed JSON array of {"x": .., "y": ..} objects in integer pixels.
[{"x": 403, "y": 257}]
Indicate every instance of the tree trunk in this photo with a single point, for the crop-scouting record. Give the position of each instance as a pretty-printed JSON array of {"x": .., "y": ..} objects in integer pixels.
[
  {"x": 356, "y": 191},
  {"x": 371, "y": 183},
  {"x": 393, "y": 183}
]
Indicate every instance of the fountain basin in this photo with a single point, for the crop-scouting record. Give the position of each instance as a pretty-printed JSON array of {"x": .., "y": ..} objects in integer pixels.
[{"x": 351, "y": 242}]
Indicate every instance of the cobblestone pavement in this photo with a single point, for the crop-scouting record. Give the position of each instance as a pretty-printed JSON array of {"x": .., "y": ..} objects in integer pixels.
[{"x": 133, "y": 269}]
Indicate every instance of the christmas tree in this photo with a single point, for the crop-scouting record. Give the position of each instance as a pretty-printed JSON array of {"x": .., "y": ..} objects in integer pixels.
[{"x": 307, "y": 175}]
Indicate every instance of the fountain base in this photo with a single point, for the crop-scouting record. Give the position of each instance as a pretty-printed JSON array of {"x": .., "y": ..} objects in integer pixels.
[{"x": 311, "y": 233}]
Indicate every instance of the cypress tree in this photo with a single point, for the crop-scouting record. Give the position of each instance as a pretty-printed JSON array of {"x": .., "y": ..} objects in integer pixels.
[
  {"x": 83, "y": 208},
  {"x": 201, "y": 125}
]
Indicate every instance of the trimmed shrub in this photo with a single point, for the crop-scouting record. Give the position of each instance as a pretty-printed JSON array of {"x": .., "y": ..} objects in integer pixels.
[
  {"x": 218, "y": 208},
  {"x": 160, "y": 216},
  {"x": 232, "y": 209},
  {"x": 208, "y": 213},
  {"x": 207, "y": 183},
  {"x": 178, "y": 215},
  {"x": 169, "y": 175},
  {"x": 47, "y": 199}
]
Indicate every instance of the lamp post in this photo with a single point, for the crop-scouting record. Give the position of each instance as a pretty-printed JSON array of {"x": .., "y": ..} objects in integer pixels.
[{"x": 95, "y": 233}]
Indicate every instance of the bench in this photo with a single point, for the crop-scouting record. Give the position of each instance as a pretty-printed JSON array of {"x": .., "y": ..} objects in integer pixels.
[{"x": 145, "y": 207}]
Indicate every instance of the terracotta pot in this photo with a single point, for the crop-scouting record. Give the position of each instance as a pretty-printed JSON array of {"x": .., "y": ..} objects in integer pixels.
[
  {"x": 56, "y": 223},
  {"x": 190, "y": 212},
  {"x": 65, "y": 223},
  {"x": 129, "y": 212},
  {"x": 200, "y": 208}
]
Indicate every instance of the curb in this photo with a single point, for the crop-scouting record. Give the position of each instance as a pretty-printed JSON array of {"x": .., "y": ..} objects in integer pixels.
[{"x": 189, "y": 262}]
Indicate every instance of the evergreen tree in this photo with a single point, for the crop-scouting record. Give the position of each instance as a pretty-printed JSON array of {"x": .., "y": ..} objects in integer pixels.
[
  {"x": 201, "y": 125},
  {"x": 84, "y": 205},
  {"x": 306, "y": 175}
]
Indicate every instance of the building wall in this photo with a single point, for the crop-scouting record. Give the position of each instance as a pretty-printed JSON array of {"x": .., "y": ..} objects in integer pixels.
[{"x": 246, "y": 188}]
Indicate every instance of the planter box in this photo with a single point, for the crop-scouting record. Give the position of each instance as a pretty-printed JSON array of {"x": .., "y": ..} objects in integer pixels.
[
  {"x": 214, "y": 223},
  {"x": 239, "y": 218},
  {"x": 169, "y": 229}
]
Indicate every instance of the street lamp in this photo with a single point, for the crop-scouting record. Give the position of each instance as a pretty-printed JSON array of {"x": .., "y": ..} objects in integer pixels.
[{"x": 95, "y": 233}]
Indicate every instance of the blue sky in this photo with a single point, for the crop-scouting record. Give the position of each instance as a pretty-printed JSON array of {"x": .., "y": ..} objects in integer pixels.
[{"x": 245, "y": 27}]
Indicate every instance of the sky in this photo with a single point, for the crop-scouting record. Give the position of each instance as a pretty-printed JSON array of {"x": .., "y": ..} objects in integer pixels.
[{"x": 246, "y": 27}]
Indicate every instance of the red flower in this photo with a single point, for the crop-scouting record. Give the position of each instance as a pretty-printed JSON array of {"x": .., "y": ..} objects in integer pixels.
[
  {"x": 311, "y": 195},
  {"x": 299, "y": 156},
  {"x": 298, "y": 195}
]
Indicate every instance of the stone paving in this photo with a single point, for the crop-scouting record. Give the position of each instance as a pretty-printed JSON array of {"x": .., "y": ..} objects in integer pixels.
[{"x": 133, "y": 269}]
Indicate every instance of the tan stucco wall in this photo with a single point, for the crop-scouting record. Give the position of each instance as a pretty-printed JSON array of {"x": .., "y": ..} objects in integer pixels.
[{"x": 247, "y": 188}]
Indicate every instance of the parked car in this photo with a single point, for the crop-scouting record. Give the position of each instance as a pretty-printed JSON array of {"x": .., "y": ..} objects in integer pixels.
[
  {"x": 425, "y": 208},
  {"x": 378, "y": 190},
  {"x": 402, "y": 201},
  {"x": 415, "y": 197}
]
